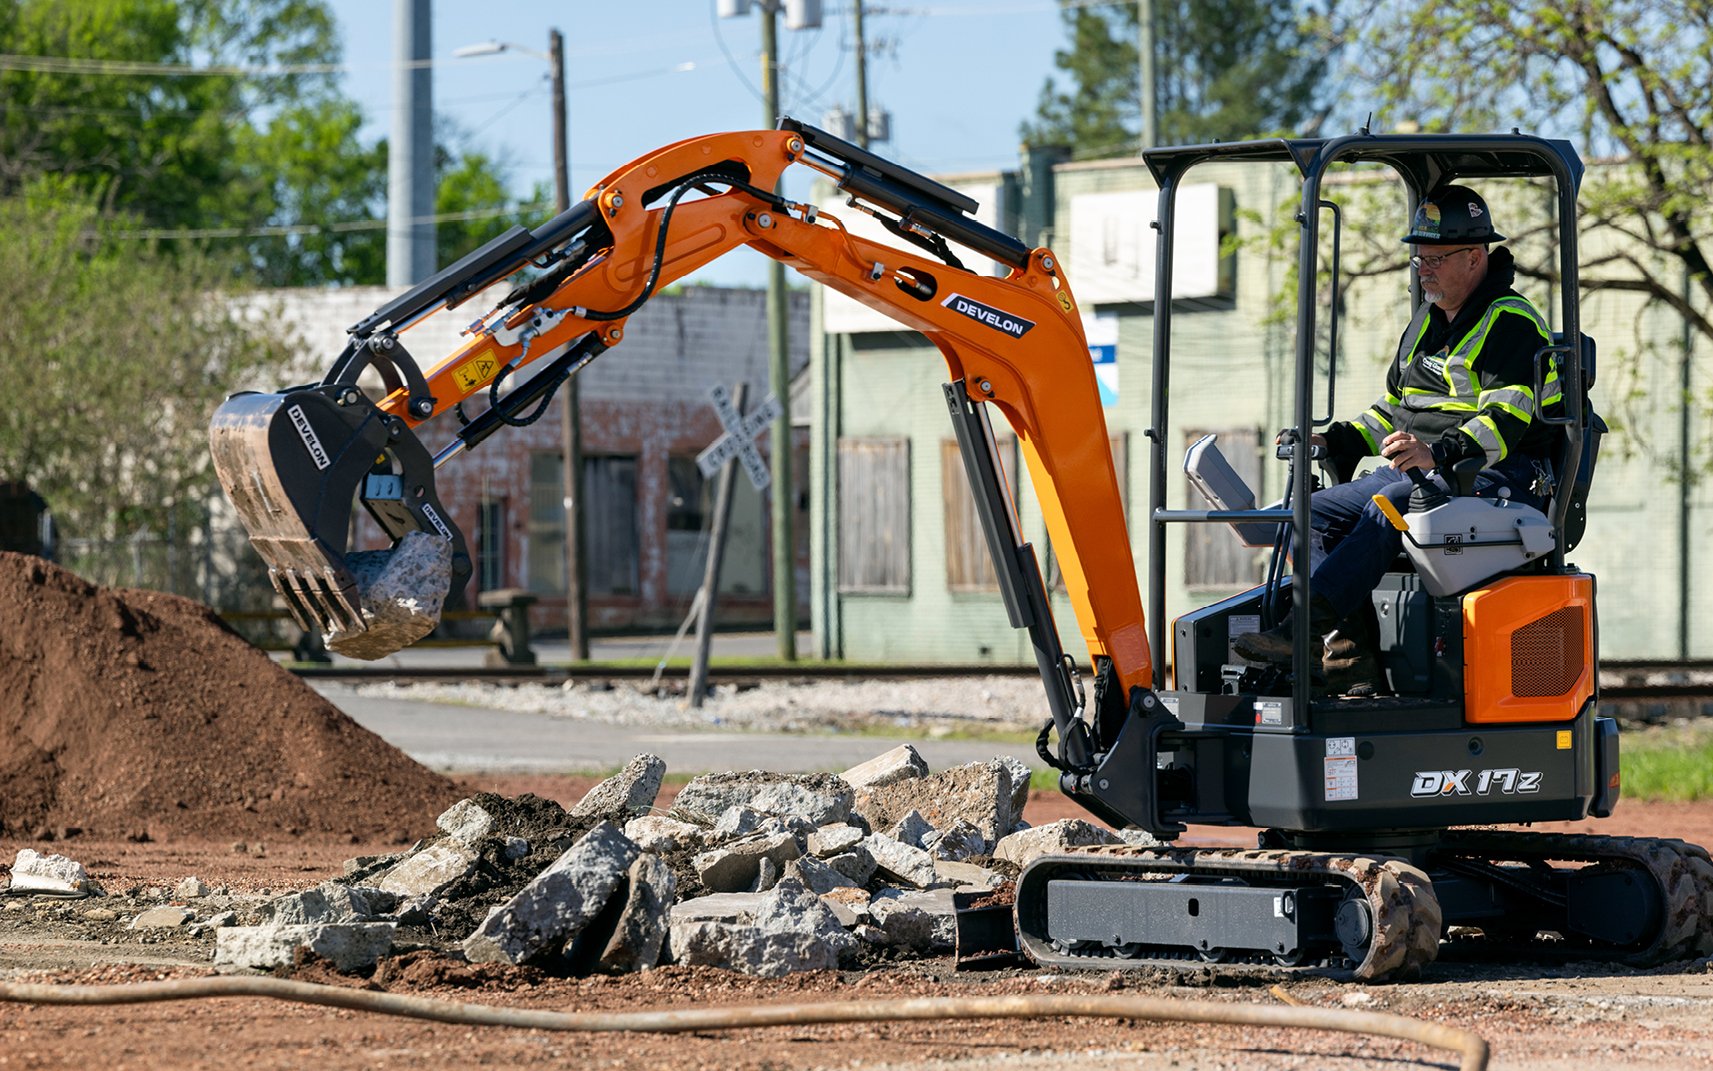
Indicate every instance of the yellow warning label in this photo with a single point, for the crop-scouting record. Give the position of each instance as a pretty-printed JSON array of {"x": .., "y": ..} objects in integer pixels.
[
  {"x": 473, "y": 373},
  {"x": 1064, "y": 301},
  {"x": 1564, "y": 740}
]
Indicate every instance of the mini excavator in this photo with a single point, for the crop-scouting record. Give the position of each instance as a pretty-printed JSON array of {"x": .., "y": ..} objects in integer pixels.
[{"x": 1382, "y": 845}]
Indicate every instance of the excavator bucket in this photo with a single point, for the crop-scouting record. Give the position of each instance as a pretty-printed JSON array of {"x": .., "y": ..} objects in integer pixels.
[{"x": 292, "y": 465}]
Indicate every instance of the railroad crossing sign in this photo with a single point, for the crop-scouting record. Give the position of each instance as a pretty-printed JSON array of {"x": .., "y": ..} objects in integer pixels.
[{"x": 739, "y": 439}]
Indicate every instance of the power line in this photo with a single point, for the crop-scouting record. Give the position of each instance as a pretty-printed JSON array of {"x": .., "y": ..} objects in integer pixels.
[
  {"x": 79, "y": 65},
  {"x": 348, "y": 226}
]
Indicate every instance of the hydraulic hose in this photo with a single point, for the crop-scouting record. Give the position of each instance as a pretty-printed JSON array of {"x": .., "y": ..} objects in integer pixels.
[{"x": 1469, "y": 1046}]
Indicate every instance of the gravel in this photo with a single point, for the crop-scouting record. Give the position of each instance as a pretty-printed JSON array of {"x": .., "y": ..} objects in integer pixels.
[{"x": 935, "y": 705}]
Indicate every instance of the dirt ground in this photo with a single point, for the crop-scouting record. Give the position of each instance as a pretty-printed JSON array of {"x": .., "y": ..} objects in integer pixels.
[{"x": 1536, "y": 1017}]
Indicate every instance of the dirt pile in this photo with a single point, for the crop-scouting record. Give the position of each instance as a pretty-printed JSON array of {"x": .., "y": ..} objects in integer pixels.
[{"x": 130, "y": 713}]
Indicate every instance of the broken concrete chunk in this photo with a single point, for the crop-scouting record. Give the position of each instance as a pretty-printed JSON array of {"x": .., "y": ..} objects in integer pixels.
[
  {"x": 980, "y": 793},
  {"x": 911, "y": 829},
  {"x": 735, "y": 866},
  {"x": 1020, "y": 777},
  {"x": 718, "y": 907},
  {"x": 189, "y": 889},
  {"x": 658, "y": 833},
  {"x": 399, "y": 592},
  {"x": 735, "y": 822},
  {"x": 767, "y": 875},
  {"x": 815, "y": 798},
  {"x": 465, "y": 822},
  {"x": 816, "y": 876},
  {"x": 1022, "y": 848},
  {"x": 902, "y": 763},
  {"x": 641, "y": 930},
  {"x": 349, "y": 946},
  {"x": 326, "y": 903},
  {"x": 792, "y": 931},
  {"x": 898, "y": 860},
  {"x": 428, "y": 871},
  {"x": 831, "y": 840},
  {"x": 967, "y": 875},
  {"x": 959, "y": 842},
  {"x": 919, "y": 921},
  {"x": 627, "y": 794},
  {"x": 166, "y": 917},
  {"x": 556, "y": 906},
  {"x": 856, "y": 864},
  {"x": 34, "y": 872}
]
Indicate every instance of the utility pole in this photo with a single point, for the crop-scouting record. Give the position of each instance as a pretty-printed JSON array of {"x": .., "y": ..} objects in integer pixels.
[
  {"x": 779, "y": 381},
  {"x": 410, "y": 153},
  {"x": 861, "y": 75},
  {"x": 1145, "y": 54},
  {"x": 570, "y": 414}
]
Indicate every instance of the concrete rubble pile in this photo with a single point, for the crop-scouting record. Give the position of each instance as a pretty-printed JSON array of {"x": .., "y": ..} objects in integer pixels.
[{"x": 759, "y": 872}]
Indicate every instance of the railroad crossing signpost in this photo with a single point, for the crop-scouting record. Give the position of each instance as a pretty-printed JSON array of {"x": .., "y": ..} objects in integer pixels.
[{"x": 738, "y": 443}]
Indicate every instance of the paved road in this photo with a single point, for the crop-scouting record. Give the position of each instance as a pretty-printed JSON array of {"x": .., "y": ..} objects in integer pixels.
[{"x": 465, "y": 738}]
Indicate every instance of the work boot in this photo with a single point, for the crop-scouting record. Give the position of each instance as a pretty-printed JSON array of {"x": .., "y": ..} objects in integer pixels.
[
  {"x": 1276, "y": 644},
  {"x": 1350, "y": 660}
]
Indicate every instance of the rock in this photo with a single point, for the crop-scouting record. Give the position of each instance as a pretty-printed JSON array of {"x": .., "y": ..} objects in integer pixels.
[
  {"x": 967, "y": 875},
  {"x": 856, "y": 864},
  {"x": 645, "y": 919},
  {"x": 817, "y": 876},
  {"x": 400, "y": 593},
  {"x": 465, "y": 822},
  {"x": 734, "y": 867},
  {"x": 1023, "y": 847},
  {"x": 349, "y": 946},
  {"x": 326, "y": 903},
  {"x": 911, "y": 829},
  {"x": 735, "y": 822},
  {"x": 516, "y": 848},
  {"x": 167, "y": 917},
  {"x": 718, "y": 907},
  {"x": 912, "y": 866},
  {"x": 627, "y": 794},
  {"x": 100, "y": 914},
  {"x": 1141, "y": 838},
  {"x": 831, "y": 840},
  {"x": 32, "y": 871},
  {"x": 1021, "y": 775},
  {"x": 558, "y": 903},
  {"x": 428, "y": 871},
  {"x": 216, "y": 922},
  {"x": 980, "y": 793},
  {"x": 919, "y": 921},
  {"x": 961, "y": 841},
  {"x": 767, "y": 874},
  {"x": 657, "y": 833},
  {"x": 816, "y": 798},
  {"x": 902, "y": 763},
  {"x": 189, "y": 889},
  {"x": 792, "y": 931}
]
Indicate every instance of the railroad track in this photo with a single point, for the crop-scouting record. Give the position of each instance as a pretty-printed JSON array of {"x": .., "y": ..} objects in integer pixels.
[{"x": 1620, "y": 682}]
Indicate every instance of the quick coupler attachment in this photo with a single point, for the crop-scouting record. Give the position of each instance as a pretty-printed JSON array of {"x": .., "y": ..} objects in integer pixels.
[{"x": 292, "y": 465}]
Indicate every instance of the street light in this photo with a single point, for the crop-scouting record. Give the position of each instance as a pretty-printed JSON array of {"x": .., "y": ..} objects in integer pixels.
[
  {"x": 799, "y": 15},
  {"x": 571, "y": 418}
]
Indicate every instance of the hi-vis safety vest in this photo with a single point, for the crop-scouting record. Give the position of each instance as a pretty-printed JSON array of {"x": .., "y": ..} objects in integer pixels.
[{"x": 1441, "y": 391}]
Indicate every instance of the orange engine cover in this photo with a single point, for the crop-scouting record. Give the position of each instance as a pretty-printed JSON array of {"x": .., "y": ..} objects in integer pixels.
[{"x": 1528, "y": 644}]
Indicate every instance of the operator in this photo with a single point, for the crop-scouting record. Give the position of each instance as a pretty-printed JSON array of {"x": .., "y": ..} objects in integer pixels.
[{"x": 1461, "y": 386}]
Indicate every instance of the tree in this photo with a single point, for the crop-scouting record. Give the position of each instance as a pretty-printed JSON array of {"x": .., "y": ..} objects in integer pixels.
[
  {"x": 115, "y": 356},
  {"x": 1224, "y": 70}
]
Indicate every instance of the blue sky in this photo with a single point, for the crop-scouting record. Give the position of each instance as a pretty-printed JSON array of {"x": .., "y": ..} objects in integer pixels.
[{"x": 958, "y": 77}]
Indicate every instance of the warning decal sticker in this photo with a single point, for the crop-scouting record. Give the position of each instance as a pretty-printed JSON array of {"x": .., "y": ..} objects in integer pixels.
[{"x": 473, "y": 373}]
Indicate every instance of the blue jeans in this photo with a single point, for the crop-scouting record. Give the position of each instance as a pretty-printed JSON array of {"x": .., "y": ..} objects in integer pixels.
[{"x": 1361, "y": 542}]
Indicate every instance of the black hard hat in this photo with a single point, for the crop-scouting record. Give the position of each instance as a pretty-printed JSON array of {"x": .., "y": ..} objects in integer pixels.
[{"x": 1452, "y": 214}]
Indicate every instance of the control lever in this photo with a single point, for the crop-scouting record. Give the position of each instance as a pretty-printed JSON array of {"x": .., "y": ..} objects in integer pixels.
[{"x": 1463, "y": 475}]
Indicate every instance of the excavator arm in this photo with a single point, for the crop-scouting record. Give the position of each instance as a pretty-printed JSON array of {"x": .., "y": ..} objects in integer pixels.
[{"x": 294, "y": 462}]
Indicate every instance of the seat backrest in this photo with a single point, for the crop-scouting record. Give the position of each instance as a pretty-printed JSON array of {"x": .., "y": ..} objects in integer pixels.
[{"x": 1576, "y": 520}]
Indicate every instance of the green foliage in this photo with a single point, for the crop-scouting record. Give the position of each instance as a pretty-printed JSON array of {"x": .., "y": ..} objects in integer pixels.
[
  {"x": 263, "y": 161},
  {"x": 1671, "y": 764},
  {"x": 1226, "y": 70},
  {"x": 115, "y": 356}
]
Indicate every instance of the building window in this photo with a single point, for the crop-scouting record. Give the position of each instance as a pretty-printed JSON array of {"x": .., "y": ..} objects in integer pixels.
[
  {"x": 491, "y": 545},
  {"x": 874, "y": 516},
  {"x": 610, "y": 544},
  {"x": 690, "y": 499},
  {"x": 1213, "y": 555},
  {"x": 969, "y": 562},
  {"x": 610, "y": 548},
  {"x": 545, "y": 567}
]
